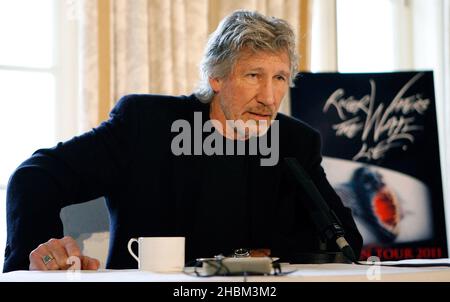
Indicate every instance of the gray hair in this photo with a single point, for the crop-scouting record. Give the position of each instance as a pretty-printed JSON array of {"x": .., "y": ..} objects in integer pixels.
[{"x": 243, "y": 30}]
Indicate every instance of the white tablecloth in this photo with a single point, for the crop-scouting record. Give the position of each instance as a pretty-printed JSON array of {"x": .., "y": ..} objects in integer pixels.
[{"x": 330, "y": 272}]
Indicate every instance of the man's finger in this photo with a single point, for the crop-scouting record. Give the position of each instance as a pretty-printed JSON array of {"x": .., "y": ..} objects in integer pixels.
[
  {"x": 94, "y": 264},
  {"x": 71, "y": 246},
  {"x": 36, "y": 263},
  {"x": 73, "y": 252},
  {"x": 45, "y": 252},
  {"x": 89, "y": 263},
  {"x": 58, "y": 251},
  {"x": 37, "y": 259}
]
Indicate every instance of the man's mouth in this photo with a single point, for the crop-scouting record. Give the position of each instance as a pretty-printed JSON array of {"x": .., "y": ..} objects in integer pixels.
[{"x": 258, "y": 115}]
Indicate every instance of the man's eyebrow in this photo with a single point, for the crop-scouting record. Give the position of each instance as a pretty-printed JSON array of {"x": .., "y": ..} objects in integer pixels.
[
  {"x": 259, "y": 69},
  {"x": 284, "y": 73}
]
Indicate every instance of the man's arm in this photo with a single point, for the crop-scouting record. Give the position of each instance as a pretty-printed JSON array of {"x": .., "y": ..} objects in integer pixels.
[
  {"x": 344, "y": 214},
  {"x": 86, "y": 167}
]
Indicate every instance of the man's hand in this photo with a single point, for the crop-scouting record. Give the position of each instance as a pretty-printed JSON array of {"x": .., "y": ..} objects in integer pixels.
[{"x": 61, "y": 254}]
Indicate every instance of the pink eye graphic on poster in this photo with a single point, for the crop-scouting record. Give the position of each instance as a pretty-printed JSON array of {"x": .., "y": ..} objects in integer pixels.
[{"x": 381, "y": 155}]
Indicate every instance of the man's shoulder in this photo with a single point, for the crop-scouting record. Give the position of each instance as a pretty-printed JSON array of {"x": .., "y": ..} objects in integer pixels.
[
  {"x": 297, "y": 138},
  {"x": 294, "y": 126},
  {"x": 158, "y": 102}
]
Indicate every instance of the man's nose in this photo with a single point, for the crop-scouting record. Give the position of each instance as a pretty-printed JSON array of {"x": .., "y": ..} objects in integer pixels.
[{"x": 266, "y": 94}]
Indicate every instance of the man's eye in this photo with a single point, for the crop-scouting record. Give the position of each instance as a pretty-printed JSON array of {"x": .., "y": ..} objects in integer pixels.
[
  {"x": 281, "y": 78},
  {"x": 252, "y": 75}
]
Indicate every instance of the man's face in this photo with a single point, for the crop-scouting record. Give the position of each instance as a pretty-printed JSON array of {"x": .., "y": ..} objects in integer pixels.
[{"x": 254, "y": 89}]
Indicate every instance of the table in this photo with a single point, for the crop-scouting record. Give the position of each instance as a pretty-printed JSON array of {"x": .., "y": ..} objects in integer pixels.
[{"x": 330, "y": 272}]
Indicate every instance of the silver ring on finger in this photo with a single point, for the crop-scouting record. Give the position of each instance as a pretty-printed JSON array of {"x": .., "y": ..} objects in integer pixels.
[{"x": 48, "y": 258}]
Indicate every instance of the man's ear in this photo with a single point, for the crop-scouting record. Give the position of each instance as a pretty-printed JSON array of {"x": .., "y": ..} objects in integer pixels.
[{"x": 216, "y": 84}]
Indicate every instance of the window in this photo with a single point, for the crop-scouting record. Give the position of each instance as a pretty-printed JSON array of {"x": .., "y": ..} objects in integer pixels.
[
  {"x": 27, "y": 77},
  {"x": 27, "y": 85},
  {"x": 37, "y": 83},
  {"x": 365, "y": 35},
  {"x": 356, "y": 35}
]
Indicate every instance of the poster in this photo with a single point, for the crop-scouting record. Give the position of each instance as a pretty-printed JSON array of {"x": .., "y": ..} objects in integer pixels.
[{"x": 381, "y": 155}]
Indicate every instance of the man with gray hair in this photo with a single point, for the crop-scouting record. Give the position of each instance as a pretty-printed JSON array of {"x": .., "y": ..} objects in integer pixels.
[{"x": 197, "y": 183}]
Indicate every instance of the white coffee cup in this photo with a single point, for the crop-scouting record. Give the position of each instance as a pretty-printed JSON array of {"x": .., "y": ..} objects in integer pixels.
[{"x": 159, "y": 254}]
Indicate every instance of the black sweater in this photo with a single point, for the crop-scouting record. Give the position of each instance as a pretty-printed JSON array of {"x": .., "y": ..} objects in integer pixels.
[{"x": 219, "y": 203}]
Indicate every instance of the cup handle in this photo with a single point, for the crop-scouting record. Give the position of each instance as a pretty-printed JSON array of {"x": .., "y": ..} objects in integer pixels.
[{"x": 130, "y": 250}]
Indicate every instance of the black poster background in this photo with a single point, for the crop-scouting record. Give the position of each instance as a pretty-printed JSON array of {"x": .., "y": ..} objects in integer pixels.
[{"x": 419, "y": 159}]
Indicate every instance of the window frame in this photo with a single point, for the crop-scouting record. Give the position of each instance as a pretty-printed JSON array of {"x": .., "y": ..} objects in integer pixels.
[{"x": 65, "y": 74}]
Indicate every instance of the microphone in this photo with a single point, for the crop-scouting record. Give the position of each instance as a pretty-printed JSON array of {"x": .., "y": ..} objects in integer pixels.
[{"x": 324, "y": 218}]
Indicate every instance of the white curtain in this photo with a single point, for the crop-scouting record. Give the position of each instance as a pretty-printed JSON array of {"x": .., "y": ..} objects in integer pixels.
[
  {"x": 156, "y": 45},
  {"x": 88, "y": 65},
  {"x": 324, "y": 36}
]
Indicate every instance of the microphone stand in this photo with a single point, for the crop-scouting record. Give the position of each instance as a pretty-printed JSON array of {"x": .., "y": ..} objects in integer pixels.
[
  {"x": 324, "y": 218},
  {"x": 328, "y": 223}
]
